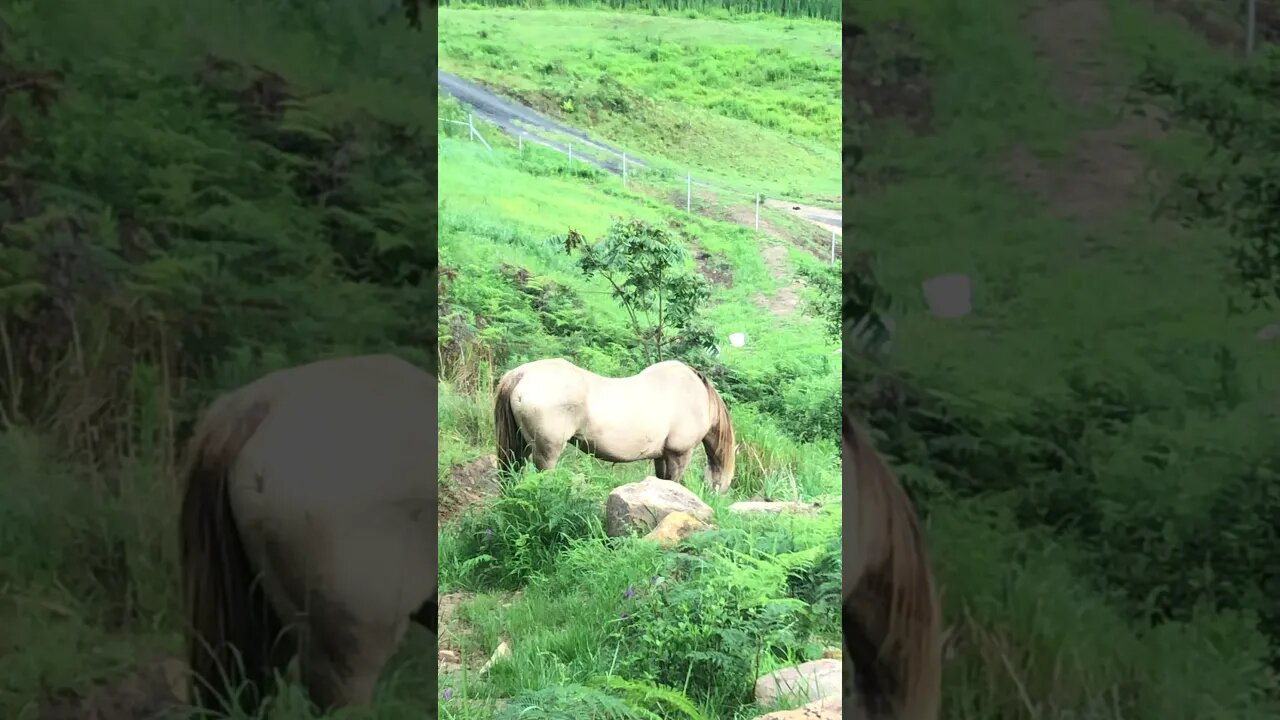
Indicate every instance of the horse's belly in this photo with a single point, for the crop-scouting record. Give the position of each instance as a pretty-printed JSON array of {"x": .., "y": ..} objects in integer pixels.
[{"x": 618, "y": 442}]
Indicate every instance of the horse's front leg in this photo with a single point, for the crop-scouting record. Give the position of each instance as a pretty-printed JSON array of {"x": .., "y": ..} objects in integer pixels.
[{"x": 676, "y": 463}]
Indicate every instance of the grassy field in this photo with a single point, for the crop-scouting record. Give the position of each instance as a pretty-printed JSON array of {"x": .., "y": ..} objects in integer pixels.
[
  {"x": 748, "y": 101},
  {"x": 603, "y": 627},
  {"x": 1094, "y": 445}
]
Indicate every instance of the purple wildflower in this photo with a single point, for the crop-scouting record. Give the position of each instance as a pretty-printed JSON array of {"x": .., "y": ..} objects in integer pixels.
[
  {"x": 630, "y": 591},
  {"x": 448, "y": 693}
]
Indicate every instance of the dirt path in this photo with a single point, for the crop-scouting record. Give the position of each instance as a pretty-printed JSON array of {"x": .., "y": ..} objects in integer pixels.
[
  {"x": 1103, "y": 173},
  {"x": 787, "y": 299},
  {"x": 468, "y": 484},
  {"x": 154, "y": 691}
]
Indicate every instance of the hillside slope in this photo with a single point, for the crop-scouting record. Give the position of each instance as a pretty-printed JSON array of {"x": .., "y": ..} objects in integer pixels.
[
  {"x": 1085, "y": 439},
  {"x": 747, "y": 102},
  {"x": 601, "y": 627}
]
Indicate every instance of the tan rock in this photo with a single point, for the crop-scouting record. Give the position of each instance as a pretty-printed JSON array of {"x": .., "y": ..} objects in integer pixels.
[
  {"x": 176, "y": 677},
  {"x": 641, "y": 506},
  {"x": 674, "y": 528},
  {"x": 448, "y": 661},
  {"x": 806, "y": 682},
  {"x": 827, "y": 708},
  {"x": 949, "y": 296},
  {"x": 501, "y": 653}
]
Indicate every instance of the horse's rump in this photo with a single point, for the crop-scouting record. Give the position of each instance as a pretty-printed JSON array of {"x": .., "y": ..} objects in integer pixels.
[{"x": 307, "y": 490}]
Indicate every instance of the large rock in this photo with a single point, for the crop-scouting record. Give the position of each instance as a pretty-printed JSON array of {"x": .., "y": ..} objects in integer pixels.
[
  {"x": 949, "y": 296},
  {"x": 806, "y": 682},
  {"x": 639, "y": 507},
  {"x": 675, "y": 527},
  {"x": 502, "y": 652},
  {"x": 1268, "y": 333},
  {"x": 828, "y": 708},
  {"x": 748, "y": 507}
]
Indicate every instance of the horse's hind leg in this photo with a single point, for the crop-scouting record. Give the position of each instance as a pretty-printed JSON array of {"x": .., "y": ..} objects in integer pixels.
[
  {"x": 342, "y": 662},
  {"x": 550, "y": 432},
  {"x": 547, "y": 450}
]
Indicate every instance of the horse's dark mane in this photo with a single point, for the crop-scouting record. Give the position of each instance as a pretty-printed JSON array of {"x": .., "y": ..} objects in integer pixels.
[{"x": 892, "y": 605}]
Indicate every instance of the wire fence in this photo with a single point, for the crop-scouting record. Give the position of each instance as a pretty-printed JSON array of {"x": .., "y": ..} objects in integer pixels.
[{"x": 627, "y": 167}]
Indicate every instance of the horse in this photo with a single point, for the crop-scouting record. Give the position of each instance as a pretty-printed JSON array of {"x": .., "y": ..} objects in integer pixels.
[
  {"x": 307, "y": 530},
  {"x": 890, "y": 609},
  {"x": 659, "y": 414}
]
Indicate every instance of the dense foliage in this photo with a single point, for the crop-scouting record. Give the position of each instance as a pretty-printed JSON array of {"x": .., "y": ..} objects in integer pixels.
[
  {"x": 1099, "y": 477},
  {"x": 1239, "y": 110},
  {"x": 190, "y": 196}
]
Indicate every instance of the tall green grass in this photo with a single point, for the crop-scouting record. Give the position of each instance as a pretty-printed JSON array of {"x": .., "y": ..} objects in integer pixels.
[
  {"x": 823, "y": 9},
  {"x": 1088, "y": 446}
]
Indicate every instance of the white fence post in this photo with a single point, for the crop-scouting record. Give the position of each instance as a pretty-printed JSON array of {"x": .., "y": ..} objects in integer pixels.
[
  {"x": 757, "y": 212},
  {"x": 833, "y": 247},
  {"x": 688, "y": 193},
  {"x": 480, "y": 137},
  {"x": 624, "y": 168},
  {"x": 1251, "y": 24},
  {"x": 472, "y": 128},
  {"x": 520, "y": 141}
]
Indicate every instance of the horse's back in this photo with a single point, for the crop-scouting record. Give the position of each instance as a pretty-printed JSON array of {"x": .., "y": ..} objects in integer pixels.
[
  {"x": 547, "y": 367},
  {"x": 551, "y": 382},
  {"x": 339, "y": 481}
]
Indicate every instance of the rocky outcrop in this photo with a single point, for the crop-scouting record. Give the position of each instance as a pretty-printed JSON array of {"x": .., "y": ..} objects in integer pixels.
[
  {"x": 639, "y": 507},
  {"x": 828, "y": 708},
  {"x": 806, "y": 682},
  {"x": 674, "y": 528}
]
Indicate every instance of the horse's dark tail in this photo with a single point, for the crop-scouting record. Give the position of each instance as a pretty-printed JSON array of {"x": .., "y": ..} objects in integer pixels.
[
  {"x": 513, "y": 450},
  {"x": 230, "y": 627}
]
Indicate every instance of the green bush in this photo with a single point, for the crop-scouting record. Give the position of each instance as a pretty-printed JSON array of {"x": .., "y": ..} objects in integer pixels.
[{"x": 521, "y": 533}]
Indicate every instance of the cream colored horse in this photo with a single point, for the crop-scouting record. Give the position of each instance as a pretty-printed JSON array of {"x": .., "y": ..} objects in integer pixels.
[
  {"x": 659, "y": 414},
  {"x": 892, "y": 626},
  {"x": 308, "y": 528}
]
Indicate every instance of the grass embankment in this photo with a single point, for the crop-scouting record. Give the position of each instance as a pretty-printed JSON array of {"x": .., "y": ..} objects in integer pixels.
[{"x": 750, "y": 102}]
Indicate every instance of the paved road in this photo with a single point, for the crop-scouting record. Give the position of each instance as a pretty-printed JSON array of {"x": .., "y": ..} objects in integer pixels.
[
  {"x": 515, "y": 118},
  {"x": 825, "y": 218}
]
